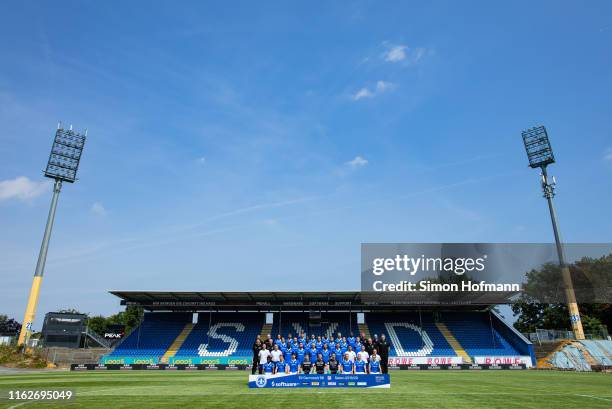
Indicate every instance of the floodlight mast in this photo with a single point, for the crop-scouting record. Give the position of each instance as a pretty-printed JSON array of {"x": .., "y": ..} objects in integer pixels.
[
  {"x": 62, "y": 166},
  {"x": 540, "y": 155}
]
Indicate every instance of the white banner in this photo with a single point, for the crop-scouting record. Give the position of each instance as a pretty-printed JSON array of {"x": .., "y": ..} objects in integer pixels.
[
  {"x": 497, "y": 360},
  {"x": 426, "y": 360}
]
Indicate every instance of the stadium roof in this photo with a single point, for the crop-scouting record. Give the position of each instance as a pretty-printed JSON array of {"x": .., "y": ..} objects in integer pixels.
[{"x": 269, "y": 301}]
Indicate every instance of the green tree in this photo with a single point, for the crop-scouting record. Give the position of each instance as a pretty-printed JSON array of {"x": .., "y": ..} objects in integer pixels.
[
  {"x": 131, "y": 317},
  {"x": 97, "y": 324},
  {"x": 9, "y": 326},
  {"x": 532, "y": 316},
  {"x": 592, "y": 279}
]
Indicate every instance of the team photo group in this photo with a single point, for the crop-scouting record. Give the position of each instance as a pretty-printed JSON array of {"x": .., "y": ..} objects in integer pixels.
[{"x": 320, "y": 354}]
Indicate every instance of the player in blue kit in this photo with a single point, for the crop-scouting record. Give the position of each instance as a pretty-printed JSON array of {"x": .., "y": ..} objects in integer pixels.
[
  {"x": 294, "y": 365},
  {"x": 279, "y": 340},
  {"x": 311, "y": 341},
  {"x": 269, "y": 367},
  {"x": 344, "y": 344},
  {"x": 338, "y": 351},
  {"x": 374, "y": 362},
  {"x": 313, "y": 352},
  {"x": 302, "y": 339},
  {"x": 360, "y": 366},
  {"x": 281, "y": 365},
  {"x": 300, "y": 353},
  {"x": 287, "y": 352},
  {"x": 325, "y": 353},
  {"x": 358, "y": 344},
  {"x": 346, "y": 365},
  {"x": 319, "y": 344},
  {"x": 351, "y": 341}
]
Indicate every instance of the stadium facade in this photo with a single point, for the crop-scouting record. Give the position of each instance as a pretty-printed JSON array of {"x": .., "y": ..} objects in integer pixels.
[{"x": 219, "y": 328}]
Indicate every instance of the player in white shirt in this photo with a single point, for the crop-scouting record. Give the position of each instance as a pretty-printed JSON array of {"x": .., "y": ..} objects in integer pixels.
[
  {"x": 364, "y": 354},
  {"x": 263, "y": 358},
  {"x": 352, "y": 355},
  {"x": 276, "y": 354}
]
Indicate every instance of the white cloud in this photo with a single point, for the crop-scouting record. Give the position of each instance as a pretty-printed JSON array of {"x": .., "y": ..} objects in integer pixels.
[
  {"x": 99, "y": 209},
  {"x": 21, "y": 188},
  {"x": 379, "y": 88},
  {"x": 401, "y": 53},
  {"x": 396, "y": 53},
  {"x": 362, "y": 93},
  {"x": 357, "y": 162},
  {"x": 608, "y": 154},
  {"x": 382, "y": 86}
]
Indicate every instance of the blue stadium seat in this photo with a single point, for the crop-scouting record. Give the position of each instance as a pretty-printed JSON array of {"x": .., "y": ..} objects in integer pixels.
[
  {"x": 152, "y": 337},
  {"x": 230, "y": 334},
  {"x": 331, "y": 323},
  {"x": 413, "y": 334},
  {"x": 473, "y": 330},
  {"x": 476, "y": 334},
  {"x": 227, "y": 334}
]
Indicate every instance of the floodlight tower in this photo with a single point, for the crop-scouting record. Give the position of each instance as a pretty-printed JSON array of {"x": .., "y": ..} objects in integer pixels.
[
  {"x": 540, "y": 155},
  {"x": 62, "y": 167}
]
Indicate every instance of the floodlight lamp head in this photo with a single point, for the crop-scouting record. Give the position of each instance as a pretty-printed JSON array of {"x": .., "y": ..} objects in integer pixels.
[
  {"x": 65, "y": 155},
  {"x": 537, "y": 146}
]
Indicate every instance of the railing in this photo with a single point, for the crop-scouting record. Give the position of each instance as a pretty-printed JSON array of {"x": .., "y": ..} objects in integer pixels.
[
  {"x": 547, "y": 335},
  {"x": 93, "y": 335}
]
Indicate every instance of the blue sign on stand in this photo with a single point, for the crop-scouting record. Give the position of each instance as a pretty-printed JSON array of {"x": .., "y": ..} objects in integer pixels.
[{"x": 320, "y": 381}]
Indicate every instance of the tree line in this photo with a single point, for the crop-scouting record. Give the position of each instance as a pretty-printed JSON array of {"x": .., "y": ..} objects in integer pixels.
[{"x": 592, "y": 279}]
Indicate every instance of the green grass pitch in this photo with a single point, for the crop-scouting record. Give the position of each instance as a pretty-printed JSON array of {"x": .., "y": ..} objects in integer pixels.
[{"x": 228, "y": 389}]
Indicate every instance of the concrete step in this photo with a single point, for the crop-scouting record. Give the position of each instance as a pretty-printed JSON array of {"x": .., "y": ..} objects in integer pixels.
[
  {"x": 177, "y": 343},
  {"x": 452, "y": 341}
]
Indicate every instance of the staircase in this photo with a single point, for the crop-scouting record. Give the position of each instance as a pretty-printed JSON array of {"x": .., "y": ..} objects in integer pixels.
[
  {"x": 452, "y": 341},
  {"x": 96, "y": 338},
  {"x": 177, "y": 343},
  {"x": 363, "y": 329},
  {"x": 265, "y": 330}
]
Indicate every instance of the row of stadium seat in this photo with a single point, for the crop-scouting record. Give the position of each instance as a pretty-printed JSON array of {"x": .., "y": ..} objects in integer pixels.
[
  {"x": 477, "y": 335},
  {"x": 153, "y": 336},
  {"x": 232, "y": 334},
  {"x": 410, "y": 334},
  {"x": 331, "y": 324}
]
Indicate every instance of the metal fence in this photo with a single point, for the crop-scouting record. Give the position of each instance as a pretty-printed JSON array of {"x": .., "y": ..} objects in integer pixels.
[
  {"x": 547, "y": 335},
  {"x": 66, "y": 356}
]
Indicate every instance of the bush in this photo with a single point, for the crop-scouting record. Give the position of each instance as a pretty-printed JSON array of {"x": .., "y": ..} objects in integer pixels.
[{"x": 13, "y": 357}]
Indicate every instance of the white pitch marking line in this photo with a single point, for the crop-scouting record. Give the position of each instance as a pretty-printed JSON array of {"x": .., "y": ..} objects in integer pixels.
[
  {"x": 594, "y": 397},
  {"x": 20, "y": 404}
]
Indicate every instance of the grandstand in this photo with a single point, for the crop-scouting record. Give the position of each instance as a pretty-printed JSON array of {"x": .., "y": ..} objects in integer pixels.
[{"x": 220, "y": 328}]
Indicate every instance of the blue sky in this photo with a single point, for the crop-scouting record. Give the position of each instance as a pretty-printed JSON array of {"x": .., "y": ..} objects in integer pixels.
[{"x": 255, "y": 146}]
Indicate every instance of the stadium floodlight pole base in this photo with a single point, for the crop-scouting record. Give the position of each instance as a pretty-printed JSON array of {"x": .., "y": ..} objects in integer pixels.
[
  {"x": 549, "y": 193},
  {"x": 30, "y": 312}
]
